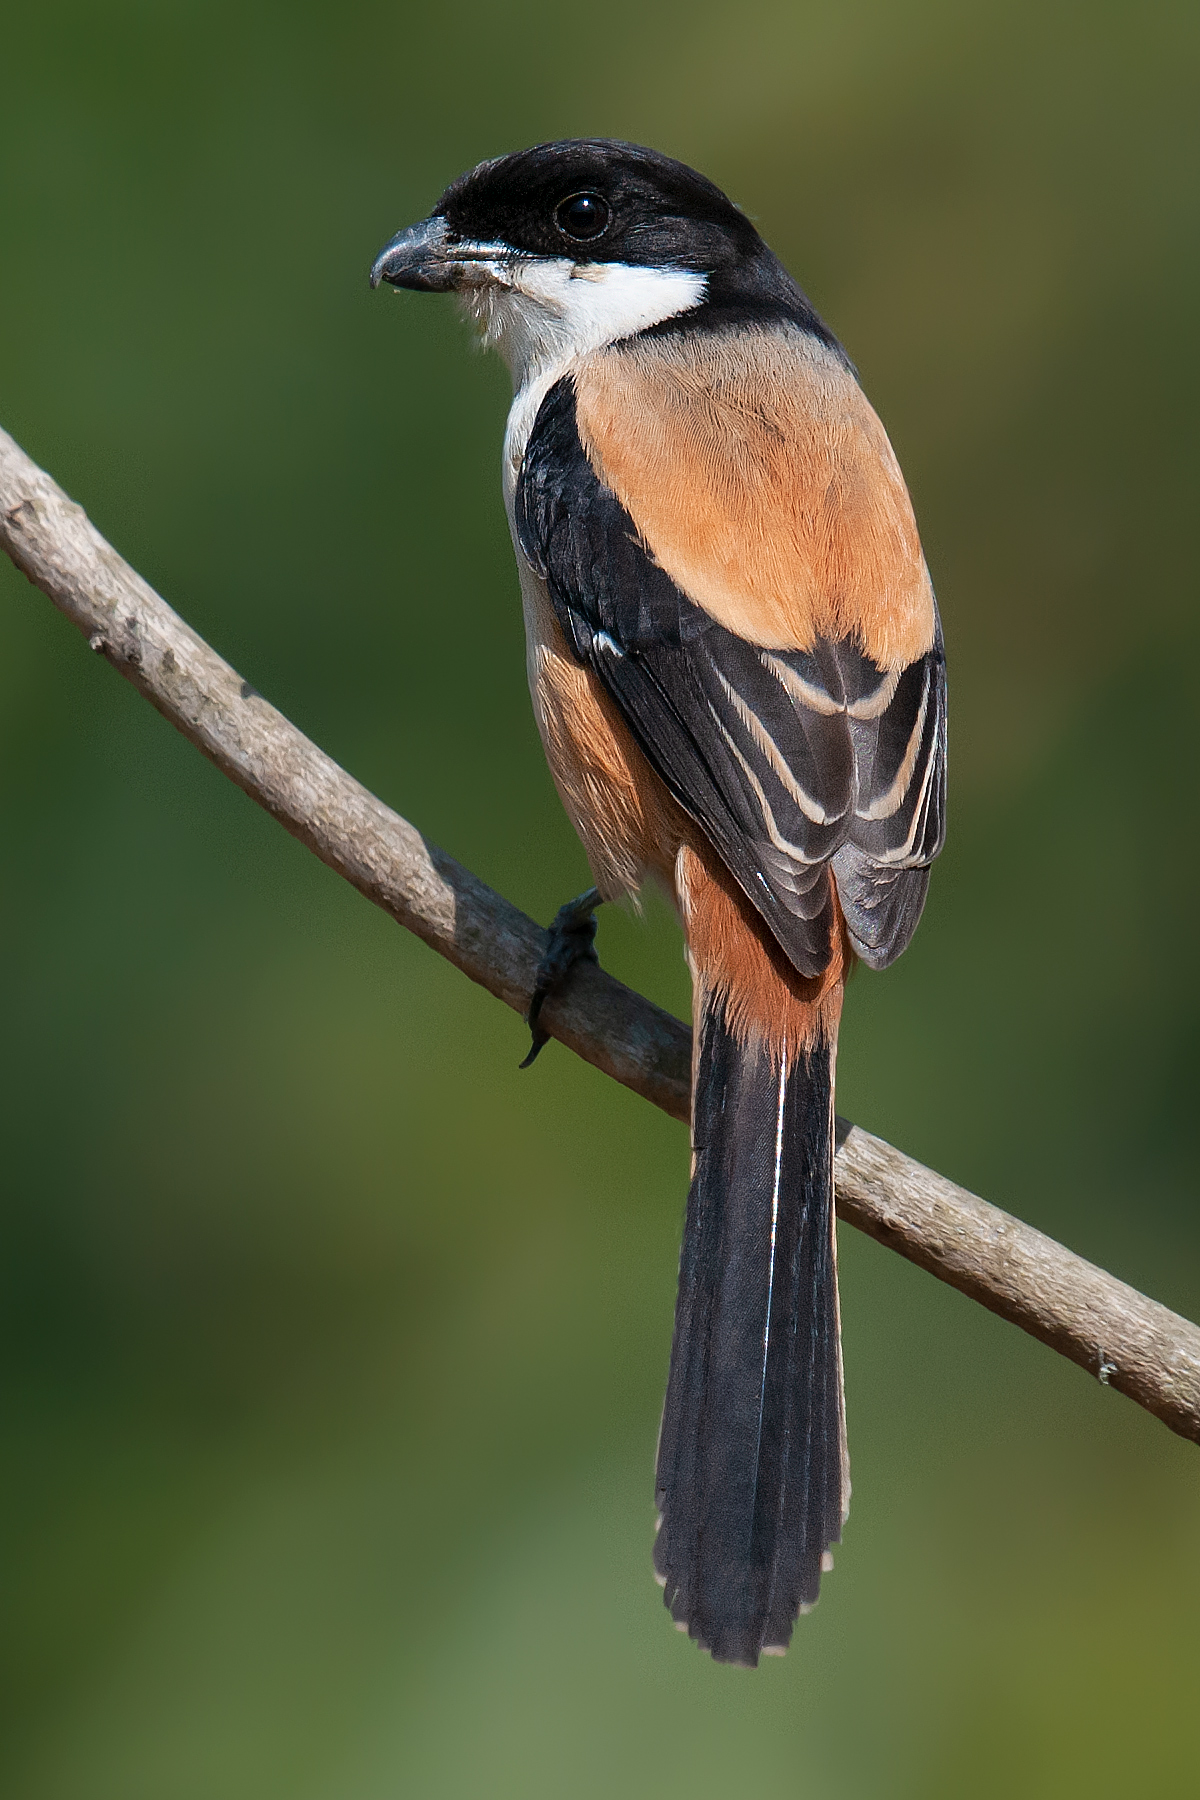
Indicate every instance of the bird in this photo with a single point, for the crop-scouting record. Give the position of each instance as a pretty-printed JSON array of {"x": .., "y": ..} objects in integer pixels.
[{"x": 738, "y": 674}]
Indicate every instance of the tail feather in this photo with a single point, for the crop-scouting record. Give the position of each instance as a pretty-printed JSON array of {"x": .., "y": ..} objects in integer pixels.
[{"x": 752, "y": 1484}]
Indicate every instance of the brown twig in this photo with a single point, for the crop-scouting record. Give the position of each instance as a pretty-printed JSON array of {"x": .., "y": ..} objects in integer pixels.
[{"x": 1120, "y": 1336}]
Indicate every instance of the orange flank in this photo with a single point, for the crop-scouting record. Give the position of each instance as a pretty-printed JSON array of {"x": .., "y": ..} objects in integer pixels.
[{"x": 624, "y": 815}]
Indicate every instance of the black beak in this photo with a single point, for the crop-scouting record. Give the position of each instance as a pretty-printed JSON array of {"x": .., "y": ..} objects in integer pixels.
[{"x": 418, "y": 258}]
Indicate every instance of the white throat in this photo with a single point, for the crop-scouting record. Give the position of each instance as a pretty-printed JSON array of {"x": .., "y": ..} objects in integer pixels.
[{"x": 544, "y": 313}]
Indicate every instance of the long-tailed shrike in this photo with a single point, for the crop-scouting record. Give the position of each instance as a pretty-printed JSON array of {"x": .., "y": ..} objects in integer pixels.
[{"x": 737, "y": 670}]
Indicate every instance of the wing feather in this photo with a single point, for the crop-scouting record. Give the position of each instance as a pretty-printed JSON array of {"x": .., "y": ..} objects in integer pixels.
[{"x": 790, "y": 761}]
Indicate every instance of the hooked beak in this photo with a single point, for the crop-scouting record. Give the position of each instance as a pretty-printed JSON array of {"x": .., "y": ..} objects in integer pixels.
[
  {"x": 425, "y": 257},
  {"x": 416, "y": 258}
]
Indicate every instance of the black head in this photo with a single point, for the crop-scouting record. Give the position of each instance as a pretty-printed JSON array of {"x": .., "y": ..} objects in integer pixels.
[
  {"x": 588, "y": 201},
  {"x": 594, "y": 200}
]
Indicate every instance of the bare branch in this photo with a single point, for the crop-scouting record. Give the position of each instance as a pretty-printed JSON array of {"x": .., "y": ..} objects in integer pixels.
[{"x": 1108, "y": 1328}]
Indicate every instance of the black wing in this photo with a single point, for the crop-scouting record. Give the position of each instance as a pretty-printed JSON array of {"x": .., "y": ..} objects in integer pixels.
[{"x": 787, "y": 760}]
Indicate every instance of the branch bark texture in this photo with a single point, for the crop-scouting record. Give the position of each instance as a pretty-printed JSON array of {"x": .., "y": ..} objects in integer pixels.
[{"x": 1117, "y": 1334}]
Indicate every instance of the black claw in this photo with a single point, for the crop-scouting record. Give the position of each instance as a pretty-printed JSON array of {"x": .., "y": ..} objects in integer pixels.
[
  {"x": 539, "y": 1038},
  {"x": 572, "y": 939}
]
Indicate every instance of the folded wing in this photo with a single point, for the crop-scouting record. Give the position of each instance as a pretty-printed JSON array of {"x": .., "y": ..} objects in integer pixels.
[{"x": 789, "y": 760}]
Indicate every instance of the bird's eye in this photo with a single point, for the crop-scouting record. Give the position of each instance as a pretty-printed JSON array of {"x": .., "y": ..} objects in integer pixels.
[{"x": 582, "y": 216}]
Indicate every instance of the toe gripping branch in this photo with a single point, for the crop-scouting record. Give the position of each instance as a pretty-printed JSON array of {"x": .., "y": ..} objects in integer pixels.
[{"x": 572, "y": 939}]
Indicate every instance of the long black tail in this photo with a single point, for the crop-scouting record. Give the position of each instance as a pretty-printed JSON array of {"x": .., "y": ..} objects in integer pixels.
[{"x": 752, "y": 1473}]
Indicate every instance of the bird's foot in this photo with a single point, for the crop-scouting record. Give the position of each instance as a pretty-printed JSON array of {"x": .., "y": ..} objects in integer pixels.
[{"x": 572, "y": 940}]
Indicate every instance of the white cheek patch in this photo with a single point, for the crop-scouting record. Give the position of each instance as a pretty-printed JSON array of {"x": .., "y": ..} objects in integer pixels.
[{"x": 541, "y": 310}]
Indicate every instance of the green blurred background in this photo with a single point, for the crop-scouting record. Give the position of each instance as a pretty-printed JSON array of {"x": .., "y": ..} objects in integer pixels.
[{"x": 332, "y": 1348}]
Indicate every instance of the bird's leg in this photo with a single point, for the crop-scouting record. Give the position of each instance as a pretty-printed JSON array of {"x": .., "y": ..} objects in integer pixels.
[{"x": 572, "y": 940}]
